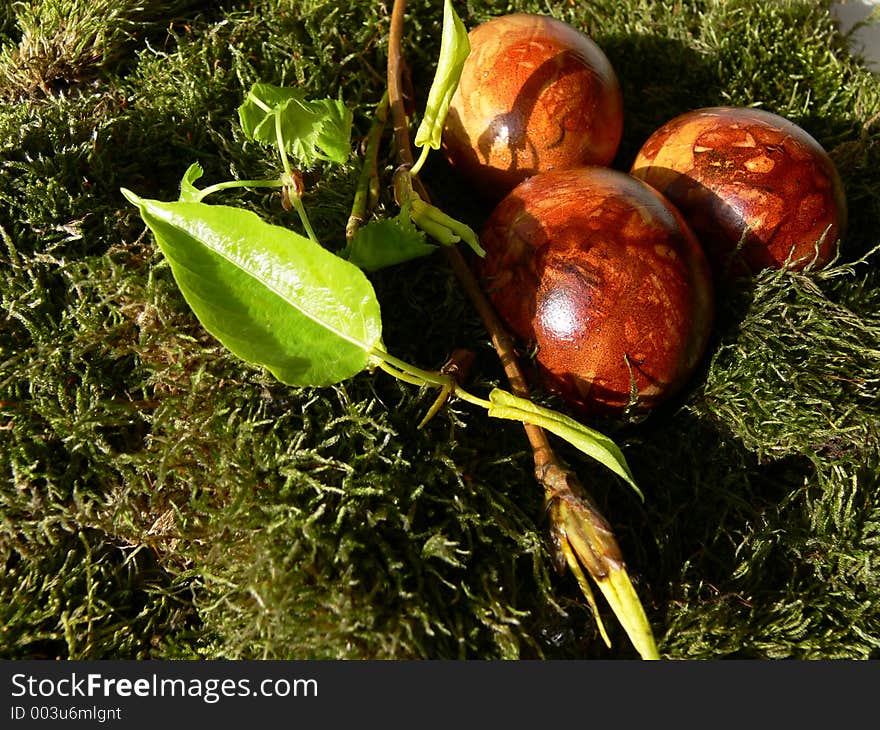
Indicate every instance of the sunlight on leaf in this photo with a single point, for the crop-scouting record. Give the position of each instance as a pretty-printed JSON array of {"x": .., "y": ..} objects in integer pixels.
[
  {"x": 312, "y": 130},
  {"x": 271, "y": 296},
  {"x": 591, "y": 442},
  {"x": 387, "y": 242},
  {"x": 454, "y": 50}
]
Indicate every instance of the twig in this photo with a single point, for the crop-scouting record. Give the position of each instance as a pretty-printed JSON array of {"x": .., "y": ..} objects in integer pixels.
[
  {"x": 577, "y": 524},
  {"x": 367, "y": 191}
]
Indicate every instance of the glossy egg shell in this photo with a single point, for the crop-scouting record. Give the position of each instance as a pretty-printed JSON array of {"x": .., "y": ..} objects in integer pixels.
[
  {"x": 600, "y": 275},
  {"x": 747, "y": 175},
  {"x": 535, "y": 94}
]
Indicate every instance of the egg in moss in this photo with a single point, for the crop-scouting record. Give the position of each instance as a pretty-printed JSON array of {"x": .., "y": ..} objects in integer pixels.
[
  {"x": 535, "y": 94},
  {"x": 600, "y": 277},
  {"x": 758, "y": 190}
]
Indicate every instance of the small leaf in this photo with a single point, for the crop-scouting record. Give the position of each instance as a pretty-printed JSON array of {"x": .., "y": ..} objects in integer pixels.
[
  {"x": 261, "y": 101},
  {"x": 334, "y": 139},
  {"x": 300, "y": 127},
  {"x": 311, "y": 130},
  {"x": 188, "y": 191},
  {"x": 271, "y": 296},
  {"x": 257, "y": 113},
  {"x": 594, "y": 444},
  {"x": 454, "y": 50},
  {"x": 383, "y": 243}
]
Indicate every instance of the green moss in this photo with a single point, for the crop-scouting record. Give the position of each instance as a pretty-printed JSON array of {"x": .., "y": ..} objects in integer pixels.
[
  {"x": 161, "y": 499},
  {"x": 57, "y": 43}
]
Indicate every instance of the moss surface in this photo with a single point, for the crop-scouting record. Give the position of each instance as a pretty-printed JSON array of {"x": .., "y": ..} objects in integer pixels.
[{"x": 161, "y": 499}]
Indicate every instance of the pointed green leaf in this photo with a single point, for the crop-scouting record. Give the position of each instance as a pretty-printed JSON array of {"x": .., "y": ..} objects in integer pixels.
[
  {"x": 591, "y": 442},
  {"x": 271, "y": 296},
  {"x": 387, "y": 242},
  {"x": 454, "y": 50}
]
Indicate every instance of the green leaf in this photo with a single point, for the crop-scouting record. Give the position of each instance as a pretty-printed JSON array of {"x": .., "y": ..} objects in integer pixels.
[
  {"x": 454, "y": 50},
  {"x": 261, "y": 102},
  {"x": 594, "y": 444},
  {"x": 271, "y": 296},
  {"x": 188, "y": 191},
  {"x": 334, "y": 138},
  {"x": 387, "y": 242},
  {"x": 313, "y": 130}
]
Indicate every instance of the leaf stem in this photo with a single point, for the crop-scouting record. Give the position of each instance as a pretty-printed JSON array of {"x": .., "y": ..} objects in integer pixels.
[
  {"x": 400, "y": 374},
  {"x": 292, "y": 181},
  {"x": 282, "y": 150},
  {"x": 417, "y": 376},
  {"x": 304, "y": 218},
  {"x": 252, "y": 97},
  {"x": 229, "y": 184},
  {"x": 472, "y": 399},
  {"x": 421, "y": 161}
]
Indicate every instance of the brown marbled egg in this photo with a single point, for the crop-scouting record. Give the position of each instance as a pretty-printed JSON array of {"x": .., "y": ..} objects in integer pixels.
[
  {"x": 747, "y": 176},
  {"x": 599, "y": 274},
  {"x": 535, "y": 94}
]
